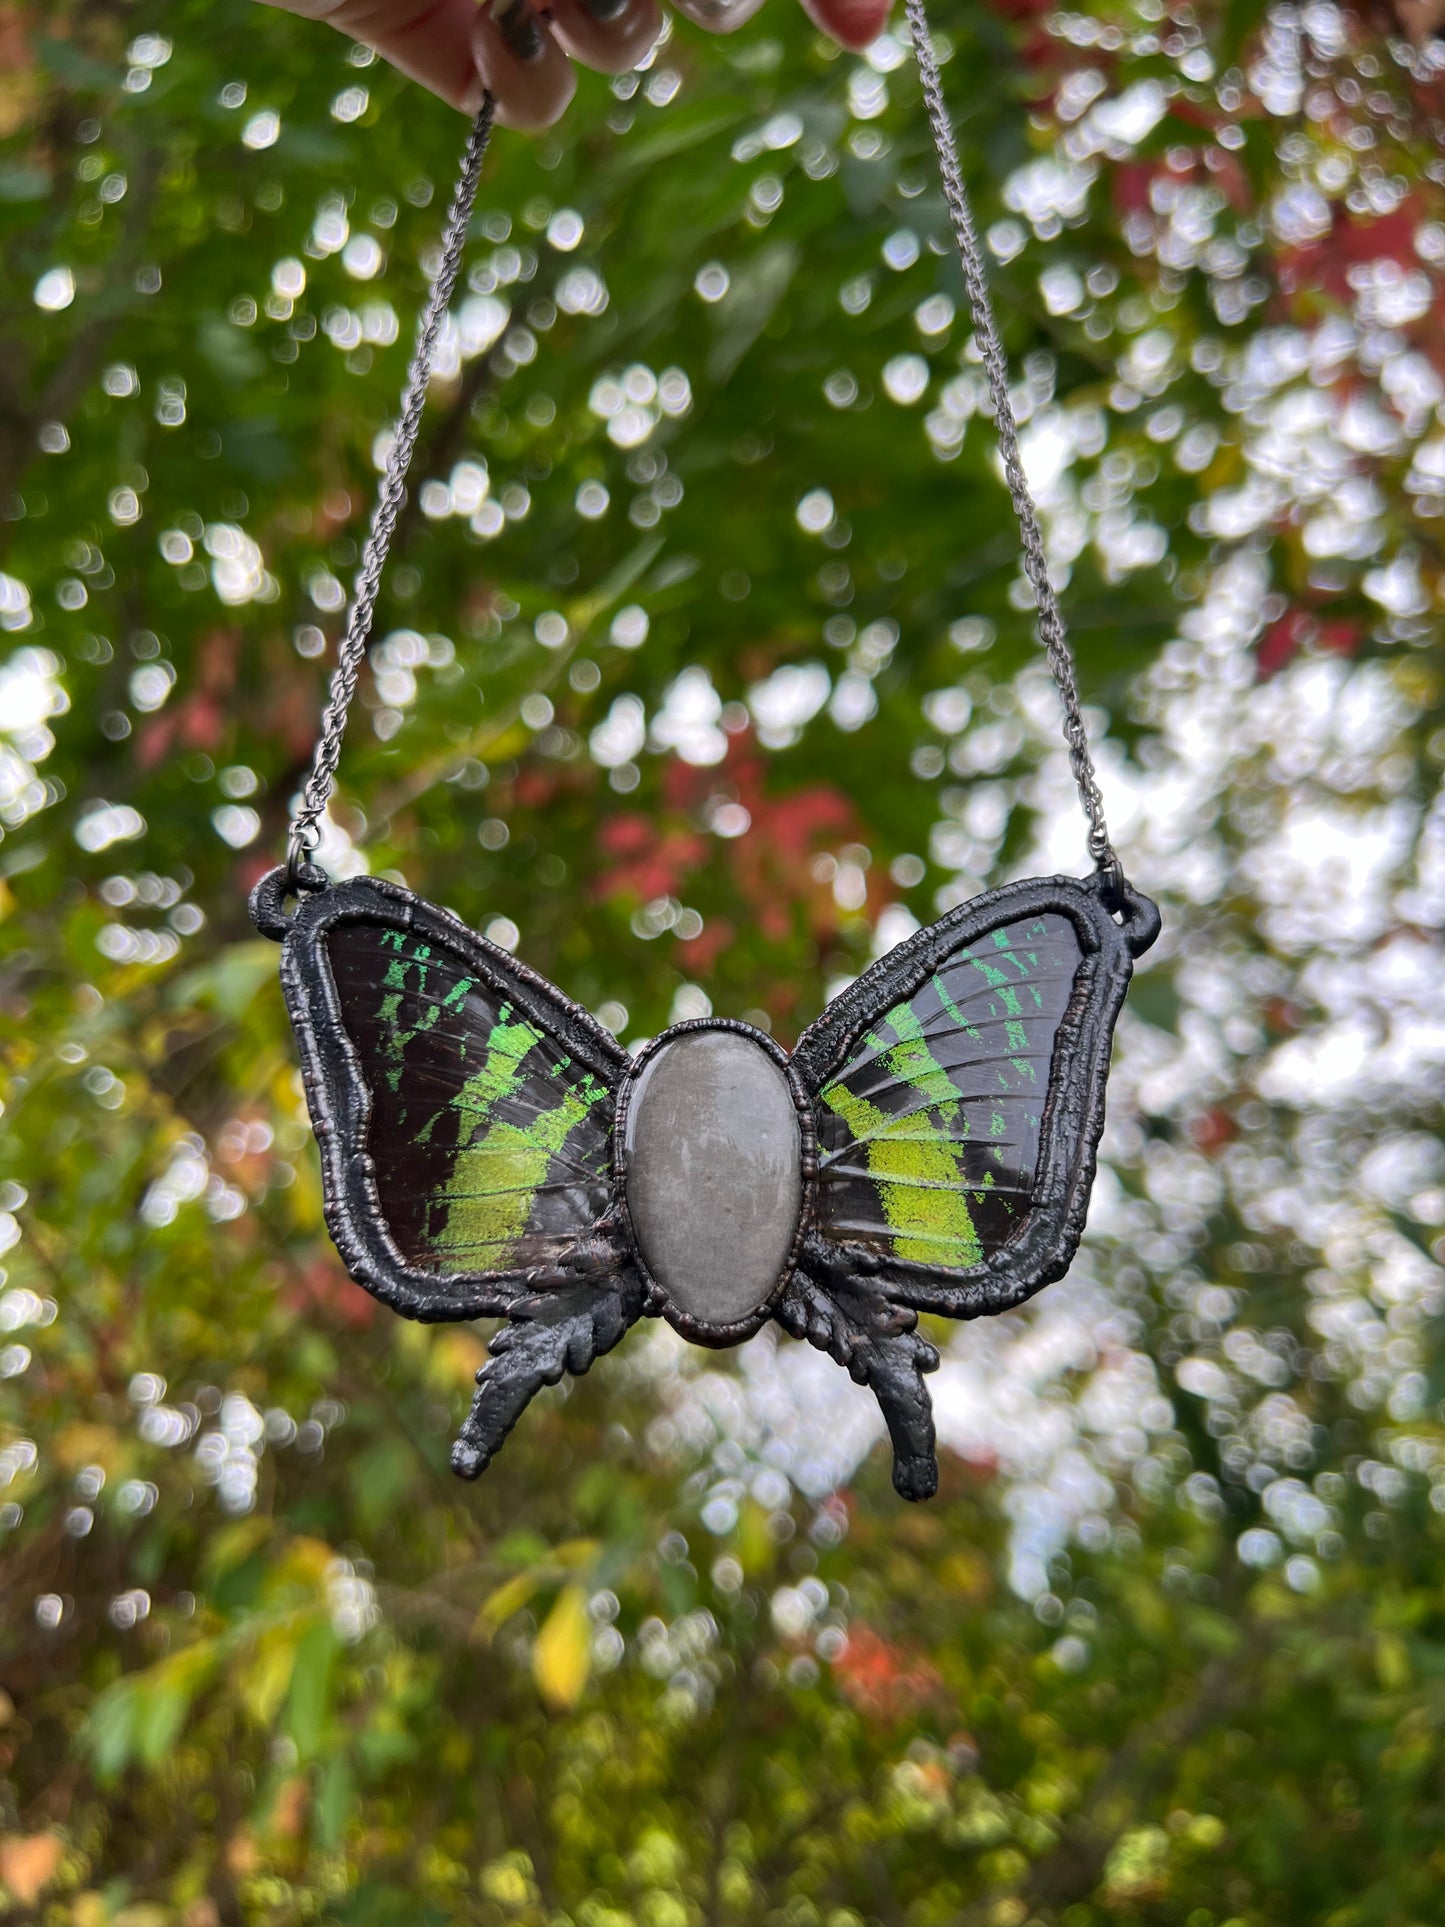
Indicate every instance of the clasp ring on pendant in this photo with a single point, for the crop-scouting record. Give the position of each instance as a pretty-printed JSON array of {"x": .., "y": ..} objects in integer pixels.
[
  {"x": 269, "y": 898},
  {"x": 1138, "y": 915}
]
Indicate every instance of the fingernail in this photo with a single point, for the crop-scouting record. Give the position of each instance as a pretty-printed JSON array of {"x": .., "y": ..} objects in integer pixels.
[
  {"x": 521, "y": 31},
  {"x": 604, "y": 10}
]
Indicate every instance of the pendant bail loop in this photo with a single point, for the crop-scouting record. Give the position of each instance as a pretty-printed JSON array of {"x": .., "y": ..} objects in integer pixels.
[
  {"x": 276, "y": 889},
  {"x": 302, "y": 871},
  {"x": 1112, "y": 871},
  {"x": 1137, "y": 915}
]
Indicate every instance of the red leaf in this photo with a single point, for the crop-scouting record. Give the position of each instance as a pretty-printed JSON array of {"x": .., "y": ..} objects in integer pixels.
[
  {"x": 1283, "y": 639},
  {"x": 884, "y": 1680}
]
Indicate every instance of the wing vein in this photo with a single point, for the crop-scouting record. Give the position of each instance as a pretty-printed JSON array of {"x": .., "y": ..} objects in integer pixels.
[
  {"x": 919, "y": 1137},
  {"x": 520, "y": 1190},
  {"x": 879, "y": 1233},
  {"x": 964, "y": 1184},
  {"x": 948, "y": 1071}
]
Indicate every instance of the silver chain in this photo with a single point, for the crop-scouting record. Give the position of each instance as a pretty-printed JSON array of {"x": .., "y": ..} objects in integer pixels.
[
  {"x": 1052, "y": 632},
  {"x": 305, "y": 833}
]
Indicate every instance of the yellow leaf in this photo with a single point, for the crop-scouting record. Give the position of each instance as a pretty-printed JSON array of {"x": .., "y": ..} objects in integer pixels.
[
  {"x": 562, "y": 1655},
  {"x": 506, "y": 1600},
  {"x": 264, "y": 1681},
  {"x": 234, "y": 1544},
  {"x": 457, "y": 1357},
  {"x": 307, "y": 1560},
  {"x": 755, "y": 1544},
  {"x": 576, "y": 1552},
  {"x": 1392, "y": 1661},
  {"x": 969, "y": 1577},
  {"x": 79, "y": 1445}
]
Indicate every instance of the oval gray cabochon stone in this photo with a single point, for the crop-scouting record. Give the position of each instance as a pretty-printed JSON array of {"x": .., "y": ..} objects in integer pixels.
[{"x": 714, "y": 1172}]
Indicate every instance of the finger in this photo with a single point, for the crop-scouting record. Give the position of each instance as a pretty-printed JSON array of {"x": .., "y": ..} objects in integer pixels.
[
  {"x": 719, "y": 16},
  {"x": 609, "y": 35},
  {"x": 428, "y": 40},
  {"x": 855, "y": 23},
  {"x": 530, "y": 77}
]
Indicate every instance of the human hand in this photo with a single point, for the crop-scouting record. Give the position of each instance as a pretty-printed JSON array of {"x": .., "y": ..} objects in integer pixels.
[{"x": 523, "y": 53}]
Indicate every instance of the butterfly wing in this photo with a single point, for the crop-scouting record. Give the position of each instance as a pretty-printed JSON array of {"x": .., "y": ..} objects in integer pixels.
[
  {"x": 465, "y": 1110},
  {"x": 959, "y": 1088},
  {"x": 463, "y": 1107}
]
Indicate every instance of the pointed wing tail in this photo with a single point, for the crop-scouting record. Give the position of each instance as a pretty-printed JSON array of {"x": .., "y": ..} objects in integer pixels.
[
  {"x": 553, "y": 1333},
  {"x": 880, "y": 1347}
]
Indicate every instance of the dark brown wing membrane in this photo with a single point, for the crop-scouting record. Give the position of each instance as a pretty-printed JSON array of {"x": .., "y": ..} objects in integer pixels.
[
  {"x": 959, "y": 1087},
  {"x": 462, "y": 1106},
  {"x": 929, "y": 1132},
  {"x": 491, "y": 1141}
]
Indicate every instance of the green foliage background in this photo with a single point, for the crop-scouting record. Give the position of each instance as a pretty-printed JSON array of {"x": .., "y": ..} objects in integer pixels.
[{"x": 264, "y": 1659}]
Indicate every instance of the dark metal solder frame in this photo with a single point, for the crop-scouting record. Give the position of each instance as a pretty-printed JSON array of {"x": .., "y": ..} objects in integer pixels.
[{"x": 858, "y": 1302}]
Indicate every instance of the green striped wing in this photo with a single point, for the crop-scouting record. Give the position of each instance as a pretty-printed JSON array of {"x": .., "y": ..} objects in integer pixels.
[
  {"x": 492, "y": 1145},
  {"x": 929, "y": 1133}
]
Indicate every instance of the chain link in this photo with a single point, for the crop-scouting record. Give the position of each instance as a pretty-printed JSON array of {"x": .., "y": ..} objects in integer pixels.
[
  {"x": 305, "y": 831},
  {"x": 305, "y": 827},
  {"x": 1052, "y": 632}
]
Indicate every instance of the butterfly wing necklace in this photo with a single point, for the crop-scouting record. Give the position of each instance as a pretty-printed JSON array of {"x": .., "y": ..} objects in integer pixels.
[{"x": 488, "y": 1150}]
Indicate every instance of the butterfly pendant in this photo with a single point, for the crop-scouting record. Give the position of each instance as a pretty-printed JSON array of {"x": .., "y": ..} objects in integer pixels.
[{"x": 488, "y": 1150}]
